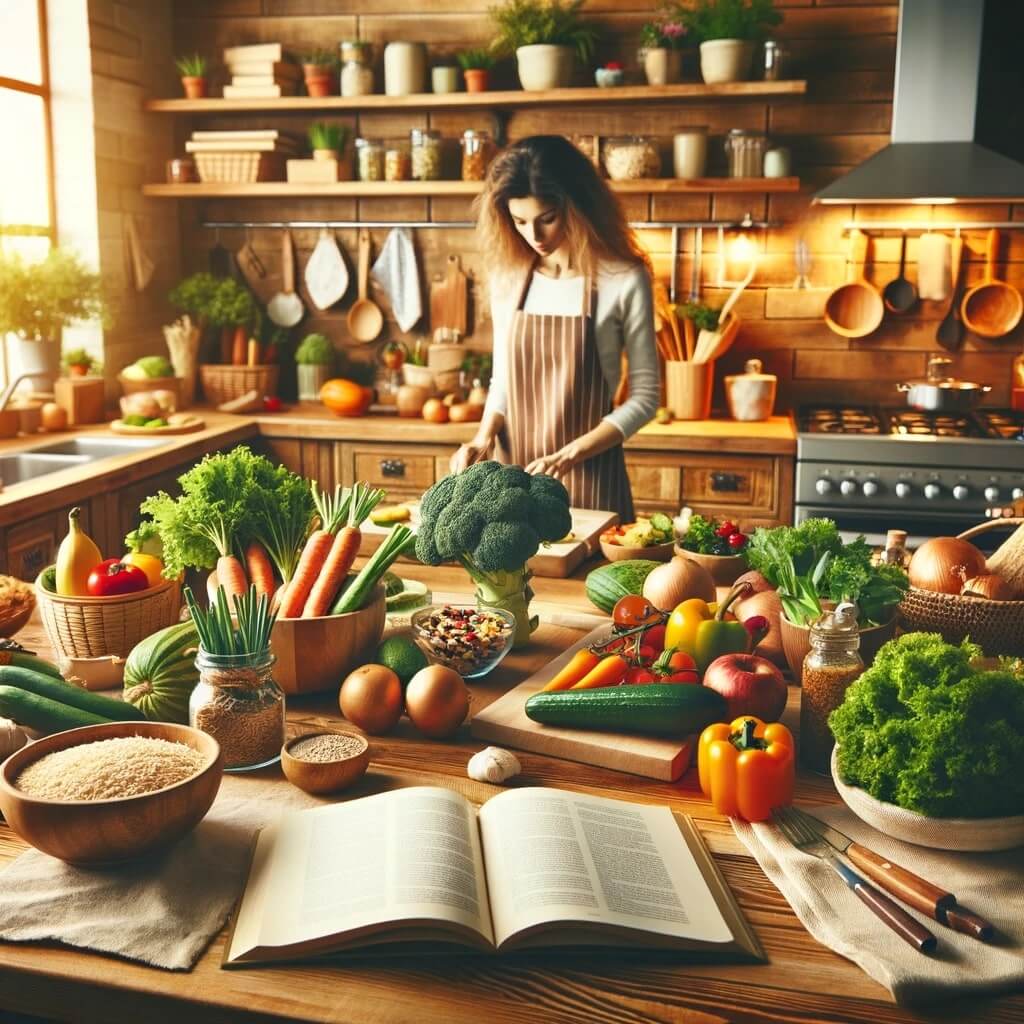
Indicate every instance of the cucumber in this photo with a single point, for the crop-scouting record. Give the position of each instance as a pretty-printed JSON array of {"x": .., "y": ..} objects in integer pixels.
[
  {"x": 42, "y": 714},
  {"x": 657, "y": 709},
  {"x": 22, "y": 659},
  {"x": 105, "y": 708}
]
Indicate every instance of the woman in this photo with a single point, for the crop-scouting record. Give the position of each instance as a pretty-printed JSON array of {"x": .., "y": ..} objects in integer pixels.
[{"x": 570, "y": 290}]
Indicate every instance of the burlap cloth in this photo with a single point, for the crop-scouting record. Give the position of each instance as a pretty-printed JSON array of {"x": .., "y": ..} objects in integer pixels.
[{"x": 990, "y": 884}]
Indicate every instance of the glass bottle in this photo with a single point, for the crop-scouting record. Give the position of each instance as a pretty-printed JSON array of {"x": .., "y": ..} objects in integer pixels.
[
  {"x": 477, "y": 151},
  {"x": 238, "y": 703},
  {"x": 832, "y": 663},
  {"x": 426, "y": 154}
]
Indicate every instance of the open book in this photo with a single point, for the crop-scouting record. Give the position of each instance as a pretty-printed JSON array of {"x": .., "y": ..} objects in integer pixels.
[{"x": 532, "y": 867}]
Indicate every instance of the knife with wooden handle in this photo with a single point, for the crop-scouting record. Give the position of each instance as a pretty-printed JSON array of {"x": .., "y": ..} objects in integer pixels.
[{"x": 912, "y": 889}]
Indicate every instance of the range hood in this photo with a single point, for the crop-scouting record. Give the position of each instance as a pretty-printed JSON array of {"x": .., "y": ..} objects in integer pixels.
[{"x": 958, "y": 109}]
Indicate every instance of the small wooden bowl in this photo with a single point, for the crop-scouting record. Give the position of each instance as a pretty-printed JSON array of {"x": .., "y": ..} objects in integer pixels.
[
  {"x": 92, "y": 832},
  {"x": 724, "y": 569},
  {"x": 324, "y": 776},
  {"x": 654, "y": 553}
]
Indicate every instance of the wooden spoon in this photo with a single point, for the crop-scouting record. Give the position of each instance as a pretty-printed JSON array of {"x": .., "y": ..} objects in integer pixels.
[
  {"x": 992, "y": 308},
  {"x": 855, "y": 309},
  {"x": 365, "y": 318},
  {"x": 900, "y": 295},
  {"x": 285, "y": 308}
]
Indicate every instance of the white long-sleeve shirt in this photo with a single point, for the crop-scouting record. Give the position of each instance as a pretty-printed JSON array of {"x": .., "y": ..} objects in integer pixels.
[{"x": 623, "y": 318}]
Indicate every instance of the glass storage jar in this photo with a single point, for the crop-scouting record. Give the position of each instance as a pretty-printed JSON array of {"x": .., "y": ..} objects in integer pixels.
[
  {"x": 370, "y": 159},
  {"x": 745, "y": 151},
  {"x": 397, "y": 165},
  {"x": 237, "y": 702},
  {"x": 629, "y": 157},
  {"x": 356, "y": 79},
  {"x": 426, "y": 154},
  {"x": 477, "y": 151}
]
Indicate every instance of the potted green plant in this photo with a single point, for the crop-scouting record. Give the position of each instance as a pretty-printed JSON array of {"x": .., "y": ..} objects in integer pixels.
[
  {"x": 37, "y": 301},
  {"x": 314, "y": 359},
  {"x": 545, "y": 36},
  {"x": 233, "y": 309},
  {"x": 476, "y": 67},
  {"x": 727, "y": 31},
  {"x": 79, "y": 363},
  {"x": 328, "y": 141},
  {"x": 192, "y": 69},
  {"x": 661, "y": 46},
  {"x": 318, "y": 69}
]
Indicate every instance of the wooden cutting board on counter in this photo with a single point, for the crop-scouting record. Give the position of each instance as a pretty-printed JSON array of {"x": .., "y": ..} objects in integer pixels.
[
  {"x": 557, "y": 561},
  {"x": 505, "y": 723}
]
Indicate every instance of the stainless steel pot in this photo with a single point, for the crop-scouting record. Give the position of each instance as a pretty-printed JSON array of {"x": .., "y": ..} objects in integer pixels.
[{"x": 938, "y": 393}]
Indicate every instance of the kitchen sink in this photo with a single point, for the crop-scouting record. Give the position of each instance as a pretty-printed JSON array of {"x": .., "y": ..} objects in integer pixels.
[
  {"x": 91, "y": 448},
  {"x": 16, "y": 469}
]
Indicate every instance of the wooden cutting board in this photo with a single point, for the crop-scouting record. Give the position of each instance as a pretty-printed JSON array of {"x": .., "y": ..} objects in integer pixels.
[
  {"x": 557, "y": 561},
  {"x": 505, "y": 723},
  {"x": 449, "y": 298}
]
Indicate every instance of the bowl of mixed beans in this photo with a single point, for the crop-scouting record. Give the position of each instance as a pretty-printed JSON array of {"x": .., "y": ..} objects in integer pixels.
[{"x": 469, "y": 639}]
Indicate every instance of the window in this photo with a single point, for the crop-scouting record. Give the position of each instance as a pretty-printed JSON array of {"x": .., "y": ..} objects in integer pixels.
[{"x": 27, "y": 217}]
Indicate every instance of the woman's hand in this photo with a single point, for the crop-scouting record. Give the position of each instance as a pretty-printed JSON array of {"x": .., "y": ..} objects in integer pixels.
[
  {"x": 467, "y": 454},
  {"x": 558, "y": 464}
]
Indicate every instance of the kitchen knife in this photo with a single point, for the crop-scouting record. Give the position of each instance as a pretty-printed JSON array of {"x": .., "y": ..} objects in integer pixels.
[{"x": 912, "y": 889}]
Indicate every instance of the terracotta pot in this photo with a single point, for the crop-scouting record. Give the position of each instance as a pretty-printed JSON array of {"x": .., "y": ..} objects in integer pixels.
[
  {"x": 543, "y": 66},
  {"x": 325, "y": 154},
  {"x": 477, "y": 79},
  {"x": 662, "y": 66},
  {"x": 726, "y": 60},
  {"x": 77, "y": 370},
  {"x": 318, "y": 81},
  {"x": 796, "y": 642},
  {"x": 195, "y": 88}
]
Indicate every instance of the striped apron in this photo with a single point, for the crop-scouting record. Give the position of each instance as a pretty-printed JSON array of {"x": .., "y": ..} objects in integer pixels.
[{"x": 557, "y": 393}]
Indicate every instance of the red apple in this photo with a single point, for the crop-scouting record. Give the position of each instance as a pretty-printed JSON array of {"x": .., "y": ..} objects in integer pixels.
[
  {"x": 757, "y": 582},
  {"x": 750, "y": 685},
  {"x": 768, "y": 604}
]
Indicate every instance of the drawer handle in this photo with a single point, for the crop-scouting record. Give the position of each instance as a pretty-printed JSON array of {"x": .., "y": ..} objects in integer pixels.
[
  {"x": 392, "y": 467},
  {"x": 726, "y": 481}
]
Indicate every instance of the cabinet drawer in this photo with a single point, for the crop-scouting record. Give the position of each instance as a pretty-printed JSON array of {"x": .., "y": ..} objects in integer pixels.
[
  {"x": 395, "y": 471},
  {"x": 730, "y": 481},
  {"x": 656, "y": 485}
]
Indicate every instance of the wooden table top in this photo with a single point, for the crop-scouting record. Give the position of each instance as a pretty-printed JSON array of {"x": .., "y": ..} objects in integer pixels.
[{"x": 803, "y": 981}]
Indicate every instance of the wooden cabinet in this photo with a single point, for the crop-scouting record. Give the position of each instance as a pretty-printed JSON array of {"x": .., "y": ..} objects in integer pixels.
[
  {"x": 404, "y": 471},
  {"x": 30, "y": 546}
]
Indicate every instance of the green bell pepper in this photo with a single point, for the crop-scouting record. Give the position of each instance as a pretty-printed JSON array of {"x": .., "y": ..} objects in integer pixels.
[{"x": 715, "y": 637}]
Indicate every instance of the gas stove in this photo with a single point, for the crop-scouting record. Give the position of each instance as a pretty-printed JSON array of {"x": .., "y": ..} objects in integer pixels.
[{"x": 874, "y": 469}]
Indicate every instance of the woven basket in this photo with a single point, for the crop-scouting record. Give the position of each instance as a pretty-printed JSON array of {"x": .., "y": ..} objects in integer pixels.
[
  {"x": 221, "y": 383},
  {"x": 996, "y": 626},
  {"x": 99, "y": 627},
  {"x": 239, "y": 168}
]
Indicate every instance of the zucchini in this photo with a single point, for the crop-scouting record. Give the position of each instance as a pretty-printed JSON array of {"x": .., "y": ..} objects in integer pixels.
[
  {"x": 105, "y": 708},
  {"x": 22, "y": 659},
  {"x": 42, "y": 714},
  {"x": 656, "y": 709}
]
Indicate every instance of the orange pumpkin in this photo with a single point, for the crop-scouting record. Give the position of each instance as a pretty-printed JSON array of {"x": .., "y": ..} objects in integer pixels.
[{"x": 346, "y": 397}]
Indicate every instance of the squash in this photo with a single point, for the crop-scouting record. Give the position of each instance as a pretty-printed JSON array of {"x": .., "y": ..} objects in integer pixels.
[
  {"x": 606, "y": 584},
  {"x": 346, "y": 397},
  {"x": 161, "y": 673}
]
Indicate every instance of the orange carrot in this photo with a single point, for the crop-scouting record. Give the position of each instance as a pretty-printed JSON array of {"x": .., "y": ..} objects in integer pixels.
[
  {"x": 582, "y": 662},
  {"x": 231, "y": 575},
  {"x": 310, "y": 562},
  {"x": 609, "y": 671},
  {"x": 261, "y": 572}
]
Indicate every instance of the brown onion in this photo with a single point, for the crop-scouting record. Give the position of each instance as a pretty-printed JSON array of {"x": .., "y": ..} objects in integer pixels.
[
  {"x": 676, "y": 581},
  {"x": 989, "y": 586},
  {"x": 942, "y": 563}
]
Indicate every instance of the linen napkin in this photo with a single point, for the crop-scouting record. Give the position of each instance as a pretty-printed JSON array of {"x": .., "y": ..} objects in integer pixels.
[
  {"x": 397, "y": 273},
  {"x": 990, "y": 884}
]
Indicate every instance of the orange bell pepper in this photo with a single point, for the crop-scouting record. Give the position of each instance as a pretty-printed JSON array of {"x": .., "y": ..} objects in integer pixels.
[{"x": 746, "y": 767}]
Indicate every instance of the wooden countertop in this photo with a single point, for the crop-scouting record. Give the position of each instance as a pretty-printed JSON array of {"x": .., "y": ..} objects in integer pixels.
[{"x": 803, "y": 982}]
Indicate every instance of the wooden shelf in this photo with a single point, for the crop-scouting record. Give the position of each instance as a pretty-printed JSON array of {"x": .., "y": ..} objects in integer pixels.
[
  {"x": 690, "y": 91},
  {"x": 368, "y": 189}
]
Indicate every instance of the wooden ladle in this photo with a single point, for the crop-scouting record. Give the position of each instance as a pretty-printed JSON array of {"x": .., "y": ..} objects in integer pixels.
[
  {"x": 992, "y": 308},
  {"x": 855, "y": 309},
  {"x": 365, "y": 319}
]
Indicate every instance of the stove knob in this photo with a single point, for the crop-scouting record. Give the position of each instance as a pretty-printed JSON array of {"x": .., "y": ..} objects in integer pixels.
[
  {"x": 848, "y": 487},
  {"x": 823, "y": 485},
  {"x": 869, "y": 488},
  {"x": 960, "y": 492},
  {"x": 1018, "y": 493},
  {"x": 902, "y": 490},
  {"x": 991, "y": 493},
  {"x": 932, "y": 491}
]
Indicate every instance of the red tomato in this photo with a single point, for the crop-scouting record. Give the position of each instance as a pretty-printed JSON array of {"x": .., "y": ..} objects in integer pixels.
[
  {"x": 655, "y": 637},
  {"x": 737, "y": 541},
  {"x": 633, "y": 610},
  {"x": 638, "y": 675},
  {"x": 680, "y": 661},
  {"x": 686, "y": 678},
  {"x": 271, "y": 403},
  {"x": 727, "y": 529},
  {"x": 113, "y": 576}
]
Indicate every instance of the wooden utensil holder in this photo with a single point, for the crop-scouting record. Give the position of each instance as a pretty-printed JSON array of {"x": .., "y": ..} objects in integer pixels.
[
  {"x": 688, "y": 389},
  {"x": 82, "y": 398}
]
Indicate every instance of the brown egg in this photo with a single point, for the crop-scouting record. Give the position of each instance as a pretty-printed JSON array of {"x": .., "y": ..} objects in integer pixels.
[
  {"x": 436, "y": 701},
  {"x": 371, "y": 697}
]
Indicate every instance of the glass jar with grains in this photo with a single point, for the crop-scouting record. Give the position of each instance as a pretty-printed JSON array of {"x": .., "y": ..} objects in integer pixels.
[
  {"x": 426, "y": 154},
  {"x": 629, "y": 157},
  {"x": 397, "y": 166},
  {"x": 237, "y": 702},
  {"x": 370, "y": 159},
  {"x": 832, "y": 663},
  {"x": 477, "y": 151}
]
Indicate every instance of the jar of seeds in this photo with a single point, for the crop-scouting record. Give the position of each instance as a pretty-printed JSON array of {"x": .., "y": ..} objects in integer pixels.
[
  {"x": 426, "y": 154},
  {"x": 370, "y": 159},
  {"x": 477, "y": 150},
  {"x": 832, "y": 663},
  {"x": 397, "y": 166},
  {"x": 238, "y": 703}
]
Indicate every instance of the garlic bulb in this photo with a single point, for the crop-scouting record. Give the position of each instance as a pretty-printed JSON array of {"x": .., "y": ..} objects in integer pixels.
[
  {"x": 12, "y": 737},
  {"x": 493, "y": 764}
]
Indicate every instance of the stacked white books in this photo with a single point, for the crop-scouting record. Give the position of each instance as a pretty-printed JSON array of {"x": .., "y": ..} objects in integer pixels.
[
  {"x": 260, "y": 72},
  {"x": 259, "y": 140}
]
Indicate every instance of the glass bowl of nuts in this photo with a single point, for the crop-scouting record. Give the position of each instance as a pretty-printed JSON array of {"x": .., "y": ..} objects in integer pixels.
[
  {"x": 631, "y": 157},
  {"x": 469, "y": 639}
]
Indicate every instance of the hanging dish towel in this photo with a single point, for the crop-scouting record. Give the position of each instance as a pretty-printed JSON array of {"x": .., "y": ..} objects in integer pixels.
[{"x": 397, "y": 273}]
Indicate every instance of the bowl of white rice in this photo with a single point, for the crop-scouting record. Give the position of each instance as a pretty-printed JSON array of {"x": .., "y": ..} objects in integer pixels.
[{"x": 108, "y": 793}]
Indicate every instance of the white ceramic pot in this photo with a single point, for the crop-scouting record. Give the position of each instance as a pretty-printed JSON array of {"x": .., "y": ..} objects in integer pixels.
[
  {"x": 726, "y": 60},
  {"x": 690, "y": 153},
  {"x": 39, "y": 358},
  {"x": 311, "y": 378},
  {"x": 405, "y": 68},
  {"x": 543, "y": 66},
  {"x": 662, "y": 66}
]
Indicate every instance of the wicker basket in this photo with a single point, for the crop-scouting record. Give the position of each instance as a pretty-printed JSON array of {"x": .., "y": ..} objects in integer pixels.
[
  {"x": 239, "y": 168},
  {"x": 98, "y": 627},
  {"x": 996, "y": 626},
  {"x": 221, "y": 383}
]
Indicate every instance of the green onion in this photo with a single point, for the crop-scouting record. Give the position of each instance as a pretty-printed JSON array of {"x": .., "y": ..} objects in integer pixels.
[
  {"x": 218, "y": 635},
  {"x": 354, "y": 597}
]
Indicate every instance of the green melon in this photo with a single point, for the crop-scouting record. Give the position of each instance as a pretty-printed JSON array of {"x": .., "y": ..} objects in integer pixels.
[{"x": 161, "y": 673}]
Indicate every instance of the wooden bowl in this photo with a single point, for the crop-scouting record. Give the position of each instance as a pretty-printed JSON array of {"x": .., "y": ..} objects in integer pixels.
[
  {"x": 724, "y": 569},
  {"x": 132, "y": 387},
  {"x": 314, "y": 655},
  {"x": 91, "y": 832},
  {"x": 324, "y": 776},
  {"x": 654, "y": 553}
]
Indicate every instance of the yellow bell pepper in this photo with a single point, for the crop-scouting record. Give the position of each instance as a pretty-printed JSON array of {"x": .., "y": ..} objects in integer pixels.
[
  {"x": 149, "y": 564},
  {"x": 746, "y": 767},
  {"x": 707, "y": 630},
  {"x": 681, "y": 628}
]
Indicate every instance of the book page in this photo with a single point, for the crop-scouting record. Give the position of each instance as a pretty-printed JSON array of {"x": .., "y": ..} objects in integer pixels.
[
  {"x": 554, "y": 856},
  {"x": 410, "y": 855}
]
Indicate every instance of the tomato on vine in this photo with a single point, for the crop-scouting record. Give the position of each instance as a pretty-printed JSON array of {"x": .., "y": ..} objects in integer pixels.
[{"x": 633, "y": 610}]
